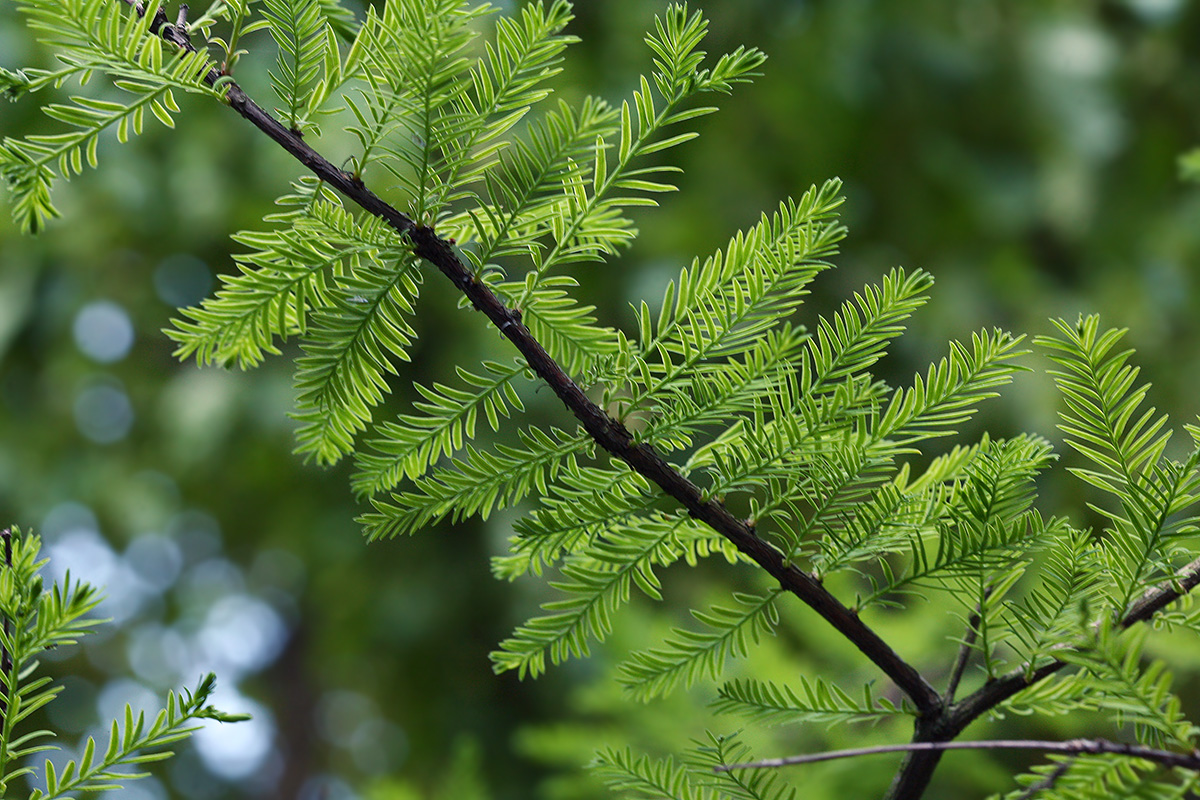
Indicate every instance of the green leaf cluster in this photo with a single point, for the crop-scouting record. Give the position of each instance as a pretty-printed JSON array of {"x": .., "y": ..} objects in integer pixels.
[
  {"x": 695, "y": 778},
  {"x": 35, "y": 618},
  {"x": 91, "y": 36}
]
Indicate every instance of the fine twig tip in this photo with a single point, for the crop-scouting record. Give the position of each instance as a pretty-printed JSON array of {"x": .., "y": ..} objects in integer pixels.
[
  {"x": 1046, "y": 782},
  {"x": 964, "y": 650},
  {"x": 1167, "y": 758}
]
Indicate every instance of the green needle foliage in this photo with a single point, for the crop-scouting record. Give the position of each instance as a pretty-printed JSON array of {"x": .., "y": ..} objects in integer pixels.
[
  {"x": 35, "y": 619},
  {"x": 92, "y": 36},
  {"x": 735, "y": 422}
]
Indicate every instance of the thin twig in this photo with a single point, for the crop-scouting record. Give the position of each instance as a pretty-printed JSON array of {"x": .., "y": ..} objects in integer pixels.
[
  {"x": 1167, "y": 758},
  {"x": 5, "y": 656},
  {"x": 995, "y": 692},
  {"x": 1047, "y": 782},
  {"x": 610, "y": 434},
  {"x": 917, "y": 770},
  {"x": 964, "y": 650},
  {"x": 1154, "y": 600}
]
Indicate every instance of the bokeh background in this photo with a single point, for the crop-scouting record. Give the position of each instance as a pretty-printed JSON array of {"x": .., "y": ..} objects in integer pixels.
[{"x": 1026, "y": 152}]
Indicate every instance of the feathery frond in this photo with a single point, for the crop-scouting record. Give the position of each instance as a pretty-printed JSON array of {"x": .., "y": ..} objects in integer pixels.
[
  {"x": 347, "y": 354},
  {"x": 596, "y": 584},
  {"x": 410, "y": 445},
  {"x": 1070, "y": 580},
  {"x": 290, "y": 272},
  {"x": 527, "y": 180},
  {"x": 412, "y": 60},
  {"x": 566, "y": 328},
  {"x": 1134, "y": 693},
  {"x": 597, "y": 501},
  {"x": 305, "y": 43},
  {"x": 38, "y": 619},
  {"x": 131, "y": 742},
  {"x": 588, "y": 223},
  {"x": 92, "y": 36},
  {"x": 480, "y": 483},
  {"x": 951, "y": 389},
  {"x": 817, "y": 700},
  {"x": 506, "y": 83},
  {"x": 741, "y": 784},
  {"x": 986, "y": 528},
  {"x": 623, "y": 771},
  {"x": 1088, "y": 777},
  {"x": 687, "y": 656},
  {"x": 721, "y": 307},
  {"x": 1104, "y": 422}
]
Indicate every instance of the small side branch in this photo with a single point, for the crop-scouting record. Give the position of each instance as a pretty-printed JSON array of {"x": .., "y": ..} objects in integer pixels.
[
  {"x": 1048, "y": 781},
  {"x": 1158, "y": 598},
  {"x": 996, "y": 692},
  {"x": 964, "y": 650},
  {"x": 6, "y": 663},
  {"x": 1167, "y": 758},
  {"x": 915, "y": 775}
]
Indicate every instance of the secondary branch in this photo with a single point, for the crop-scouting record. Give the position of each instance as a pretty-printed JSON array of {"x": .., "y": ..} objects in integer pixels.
[
  {"x": 1143, "y": 609},
  {"x": 918, "y": 767}
]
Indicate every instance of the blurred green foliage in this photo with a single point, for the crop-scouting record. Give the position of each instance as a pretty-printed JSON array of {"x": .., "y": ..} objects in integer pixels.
[{"x": 1027, "y": 153}]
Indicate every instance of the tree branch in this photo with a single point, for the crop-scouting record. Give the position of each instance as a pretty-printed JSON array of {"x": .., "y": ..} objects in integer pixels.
[
  {"x": 610, "y": 434},
  {"x": 1166, "y": 758},
  {"x": 996, "y": 692},
  {"x": 917, "y": 770}
]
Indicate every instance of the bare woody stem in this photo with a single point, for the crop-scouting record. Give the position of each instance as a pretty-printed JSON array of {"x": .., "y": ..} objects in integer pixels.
[
  {"x": 1166, "y": 758},
  {"x": 610, "y": 434}
]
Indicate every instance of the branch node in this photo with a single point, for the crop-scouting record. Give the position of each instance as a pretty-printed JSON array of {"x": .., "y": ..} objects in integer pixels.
[{"x": 514, "y": 319}]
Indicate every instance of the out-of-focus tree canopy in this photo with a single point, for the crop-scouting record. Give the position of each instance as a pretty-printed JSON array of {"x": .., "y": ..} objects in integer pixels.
[{"x": 1026, "y": 153}]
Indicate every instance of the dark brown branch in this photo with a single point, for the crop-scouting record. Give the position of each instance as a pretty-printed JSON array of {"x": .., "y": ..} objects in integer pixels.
[
  {"x": 996, "y": 692},
  {"x": 607, "y": 432},
  {"x": 1166, "y": 758},
  {"x": 1158, "y": 598},
  {"x": 917, "y": 768}
]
